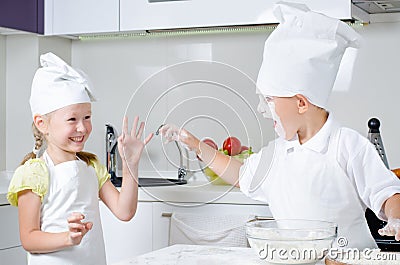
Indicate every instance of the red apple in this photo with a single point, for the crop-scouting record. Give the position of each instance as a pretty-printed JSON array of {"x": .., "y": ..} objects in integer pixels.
[
  {"x": 232, "y": 145},
  {"x": 244, "y": 148},
  {"x": 211, "y": 143}
]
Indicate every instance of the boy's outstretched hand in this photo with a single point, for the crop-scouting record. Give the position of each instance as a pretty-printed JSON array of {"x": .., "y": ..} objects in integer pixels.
[
  {"x": 392, "y": 228},
  {"x": 172, "y": 132}
]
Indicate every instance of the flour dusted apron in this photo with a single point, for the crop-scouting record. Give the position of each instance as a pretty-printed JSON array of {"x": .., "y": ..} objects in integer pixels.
[
  {"x": 73, "y": 188},
  {"x": 314, "y": 186}
]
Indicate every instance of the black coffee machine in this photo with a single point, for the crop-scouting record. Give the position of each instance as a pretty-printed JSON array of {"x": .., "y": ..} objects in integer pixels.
[{"x": 385, "y": 243}]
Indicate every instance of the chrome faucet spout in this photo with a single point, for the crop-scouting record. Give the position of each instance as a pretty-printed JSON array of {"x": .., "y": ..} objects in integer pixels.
[{"x": 182, "y": 170}]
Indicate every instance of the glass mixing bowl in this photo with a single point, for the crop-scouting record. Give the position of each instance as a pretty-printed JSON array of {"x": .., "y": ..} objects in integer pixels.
[{"x": 291, "y": 241}]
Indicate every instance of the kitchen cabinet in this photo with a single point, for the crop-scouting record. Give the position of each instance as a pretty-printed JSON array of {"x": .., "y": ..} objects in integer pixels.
[
  {"x": 14, "y": 256},
  {"x": 124, "y": 240},
  {"x": 140, "y": 15},
  {"x": 77, "y": 16},
  {"x": 150, "y": 228},
  {"x": 161, "y": 219},
  {"x": 59, "y": 17},
  {"x": 22, "y": 15},
  {"x": 11, "y": 251}
]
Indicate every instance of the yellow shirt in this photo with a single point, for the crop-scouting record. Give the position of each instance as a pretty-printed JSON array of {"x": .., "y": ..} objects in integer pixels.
[{"x": 34, "y": 175}]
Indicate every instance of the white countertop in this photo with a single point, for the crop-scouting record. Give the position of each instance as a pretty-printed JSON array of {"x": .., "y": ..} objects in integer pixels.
[
  {"x": 196, "y": 191},
  {"x": 195, "y": 254},
  {"x": 210, "y": 255}
]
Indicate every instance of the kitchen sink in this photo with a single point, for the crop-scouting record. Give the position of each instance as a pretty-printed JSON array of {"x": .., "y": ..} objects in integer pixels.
[{"x": 152, "y": 182}]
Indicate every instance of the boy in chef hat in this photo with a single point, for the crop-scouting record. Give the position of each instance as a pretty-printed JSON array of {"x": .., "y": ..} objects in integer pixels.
[
  {"x": 57, "y": 186},
  {"x": 315, "y": 169}
]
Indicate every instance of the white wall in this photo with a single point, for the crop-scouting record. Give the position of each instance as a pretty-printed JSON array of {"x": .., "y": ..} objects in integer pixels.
[
  {"x": 2, "y": 102},
  {"x": 118, "y": 67},
  {"x": 21, "y": 63},
  {"x": 375, "y": 90}
]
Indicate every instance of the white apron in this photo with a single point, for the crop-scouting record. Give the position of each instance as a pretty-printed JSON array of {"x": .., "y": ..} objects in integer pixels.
[
  {"x": 73, "y": 187},
  {"x": 312, "y": 187}
]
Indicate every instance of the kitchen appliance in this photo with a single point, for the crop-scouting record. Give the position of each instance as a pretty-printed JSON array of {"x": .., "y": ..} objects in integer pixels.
[{"x": 385, "y": 243}]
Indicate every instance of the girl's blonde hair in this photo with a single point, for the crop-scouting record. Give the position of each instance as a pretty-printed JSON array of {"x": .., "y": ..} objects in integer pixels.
[{"x": 39, "y": 141}]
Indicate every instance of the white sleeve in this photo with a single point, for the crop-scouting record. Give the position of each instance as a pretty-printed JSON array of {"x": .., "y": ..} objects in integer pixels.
[
  {"x": 247, "y": 174},
  {"x": 373, "y": 181}
]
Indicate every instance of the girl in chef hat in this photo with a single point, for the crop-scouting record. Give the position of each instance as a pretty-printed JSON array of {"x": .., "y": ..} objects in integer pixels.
[
  {"x": 315, "y": 169},
  {"x": 58, "y": 185}
]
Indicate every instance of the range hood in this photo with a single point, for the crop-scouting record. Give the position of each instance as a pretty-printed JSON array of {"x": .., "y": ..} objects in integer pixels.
[{"x": 377, "y": 11}]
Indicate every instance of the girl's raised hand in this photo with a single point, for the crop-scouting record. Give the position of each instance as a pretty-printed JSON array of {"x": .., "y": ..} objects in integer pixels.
[
  {"x": 130, "y": 145},
  {"x": 77, "y": 228}
]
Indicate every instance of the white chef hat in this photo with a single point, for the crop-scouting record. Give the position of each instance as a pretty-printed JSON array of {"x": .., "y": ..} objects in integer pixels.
[
  {"x": 56, "y": 85},
  {"x": 303, "y": 54}
]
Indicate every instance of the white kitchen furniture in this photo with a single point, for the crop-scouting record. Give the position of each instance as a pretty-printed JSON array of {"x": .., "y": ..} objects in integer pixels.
[
  {"x": 149, "y": 229},
  {"x": 75, "y": 16},
  {"x": 11, "y": 251},
  {"x": 140, "y": 15},
  {"x": 59, "y": 17},
  {"x": 126, "y": 239},
  {"x": 162, "y": 211}
]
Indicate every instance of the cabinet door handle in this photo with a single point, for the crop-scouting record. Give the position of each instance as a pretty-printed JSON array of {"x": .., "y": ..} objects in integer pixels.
[
  {"x": 166, "y": 215},
  {"x": 256, "y": 217}
]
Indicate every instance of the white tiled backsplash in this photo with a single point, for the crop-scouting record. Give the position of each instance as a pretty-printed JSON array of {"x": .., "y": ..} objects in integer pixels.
[{"x": 162, "y": 79}]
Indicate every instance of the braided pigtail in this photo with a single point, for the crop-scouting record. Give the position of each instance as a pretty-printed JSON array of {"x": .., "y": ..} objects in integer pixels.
[
  {"x": 39, "y": 144},
  {"x": 86, "y": 157}
]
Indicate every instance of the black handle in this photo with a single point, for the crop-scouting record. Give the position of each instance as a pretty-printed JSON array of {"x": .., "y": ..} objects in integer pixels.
[{"x": 373, "y": 125}]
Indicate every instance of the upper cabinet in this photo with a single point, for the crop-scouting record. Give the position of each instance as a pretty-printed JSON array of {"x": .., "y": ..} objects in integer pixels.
[
  {"x": 81, "y": 16},
  {"x": 139, "y": 15},
  {"x": 60, "y": 17},
  {"x": 21, "y": 15},
  {"x": 78, "y": 17}
]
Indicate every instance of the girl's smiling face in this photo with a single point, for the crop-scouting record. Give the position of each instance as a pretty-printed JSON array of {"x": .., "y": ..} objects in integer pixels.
[{"x": 67, "y": 129}]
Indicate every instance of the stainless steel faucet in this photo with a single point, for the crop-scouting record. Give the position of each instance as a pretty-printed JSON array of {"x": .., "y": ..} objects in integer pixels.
[
  {"x": 182, "y": 170},
  {"x": 111, "y": 154}
]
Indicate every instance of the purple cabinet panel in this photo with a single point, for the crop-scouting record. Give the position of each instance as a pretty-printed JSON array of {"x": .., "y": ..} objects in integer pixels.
[{"x": 26, "y": 15}]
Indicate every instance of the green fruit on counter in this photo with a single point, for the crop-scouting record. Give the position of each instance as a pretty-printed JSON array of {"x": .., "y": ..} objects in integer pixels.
[
  {"x": 243, "y": 155},
  {"x": 214, "y": 178},
  {"x": 209, "y": 172}
]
